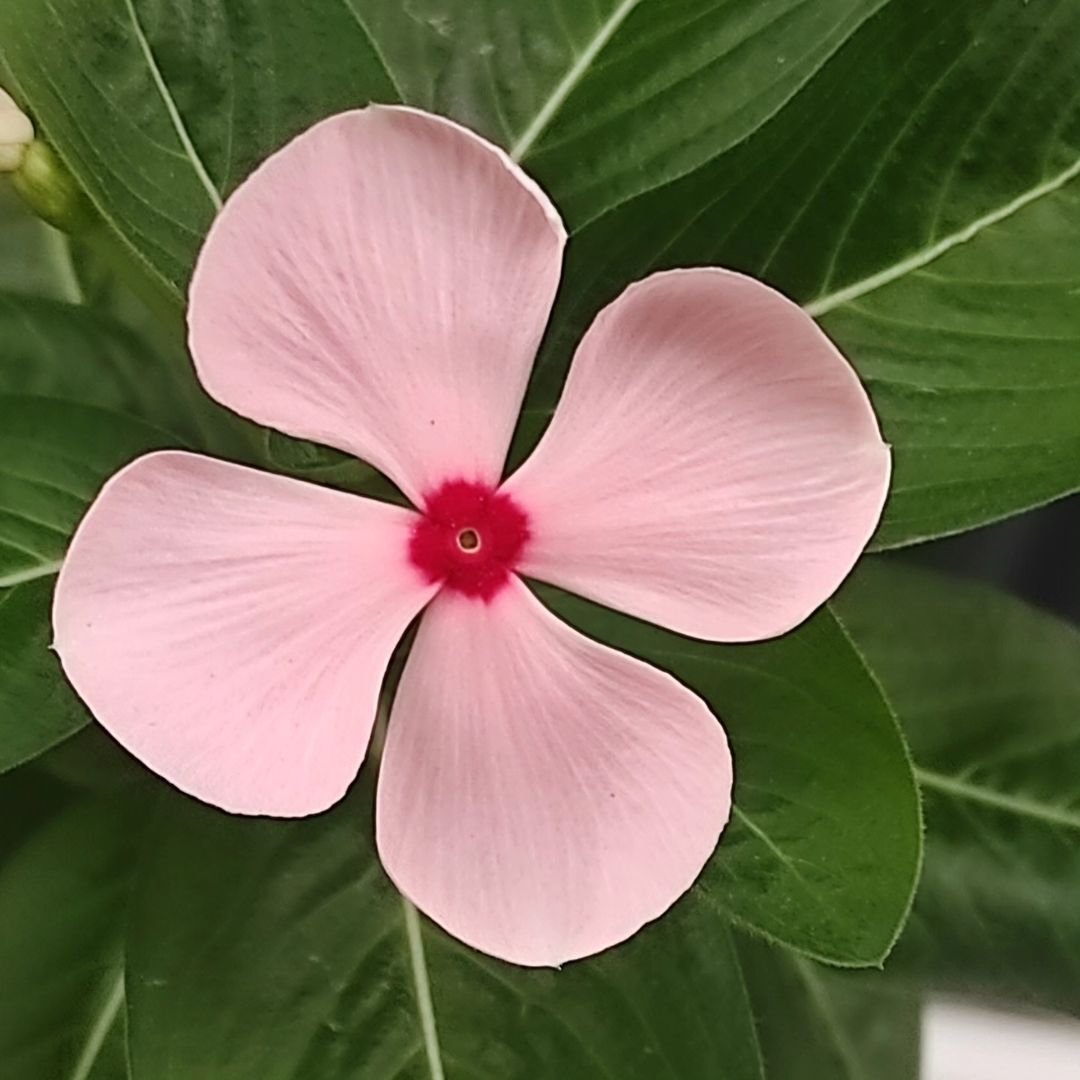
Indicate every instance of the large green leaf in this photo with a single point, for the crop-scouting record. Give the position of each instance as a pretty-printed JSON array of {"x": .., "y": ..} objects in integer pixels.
[
  {"x": 989, "y": 692},
  {"x": 199, "y": 91},
  {"x": 63, "y": 350},
  {"x": 822, "y": 852},
  {"x": 264, "y": 950},
  {"x": 54, "y": 349},
  {"x": 279, "y": 951},
  {"x": 566, "y": 86},
  {"x": 61, "y": 914},
  {"x": 158, "y": 106},
  {"x": 28, "y": 799},
  {"x": 929, "y": 211}
]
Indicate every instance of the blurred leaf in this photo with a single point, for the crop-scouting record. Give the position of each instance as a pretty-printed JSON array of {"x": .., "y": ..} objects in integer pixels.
[
  {"x": 989, "y": 693},
  {"x": 263, "y": 950},
  {"x": 33, "y": 257},
  {"x": 70, "y": 327},
  {"x": 54, "y": 349},
  {"x": 61, "y": 912},
  {"x": 823, "y": 849},
  {"x": 27, "y": 800},
  {"x": 816, "y": 1023},
  {"x": 93, "y": 761},
  {"x": 881, "y": 1022}
]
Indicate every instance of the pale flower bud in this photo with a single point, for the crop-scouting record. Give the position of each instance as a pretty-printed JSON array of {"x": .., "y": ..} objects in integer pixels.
[{"x": 16, "y": 133}]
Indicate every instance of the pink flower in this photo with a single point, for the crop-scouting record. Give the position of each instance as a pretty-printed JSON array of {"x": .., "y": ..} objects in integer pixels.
[{"x": 714, "y": 466}]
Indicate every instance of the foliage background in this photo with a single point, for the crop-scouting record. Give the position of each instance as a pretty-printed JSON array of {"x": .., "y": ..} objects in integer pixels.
[{"x": 910, "y": 172}]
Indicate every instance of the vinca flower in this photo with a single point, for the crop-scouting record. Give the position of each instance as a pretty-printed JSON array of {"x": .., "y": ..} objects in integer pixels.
[{"x": 381, "y": 285}]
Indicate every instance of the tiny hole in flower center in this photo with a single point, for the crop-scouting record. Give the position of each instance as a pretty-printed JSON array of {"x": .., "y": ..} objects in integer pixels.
[
  {"x": 468, "y": 540},
  {"x": 469, "y": 537}
]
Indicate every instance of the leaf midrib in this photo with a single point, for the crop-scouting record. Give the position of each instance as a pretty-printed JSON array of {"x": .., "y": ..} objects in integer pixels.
[
  {"x": 820, "y": 1002},
  {"x": 931, "y": 253},
  {"x": 175, "y": 118},
  {"x": 422, "y": 986},
  {"x": 19, "y": 577},
  {"x": 574, "y": 74},
  {"x": 100, "y": 1028},
  {"x": 1020, "y": 805}
]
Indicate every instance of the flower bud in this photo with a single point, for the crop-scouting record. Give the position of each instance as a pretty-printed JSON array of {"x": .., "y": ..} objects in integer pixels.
[
  {"x": 50, "y": 190},
  {"x": 16, "y": 133}
]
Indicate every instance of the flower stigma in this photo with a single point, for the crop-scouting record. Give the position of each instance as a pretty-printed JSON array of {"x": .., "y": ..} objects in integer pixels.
[
  {"x": 469, "y": 537},
  {"x": 468, "y": 540}
]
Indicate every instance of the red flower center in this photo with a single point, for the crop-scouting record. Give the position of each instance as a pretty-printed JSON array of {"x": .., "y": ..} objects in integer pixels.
[{"x": 469, "y": 537}]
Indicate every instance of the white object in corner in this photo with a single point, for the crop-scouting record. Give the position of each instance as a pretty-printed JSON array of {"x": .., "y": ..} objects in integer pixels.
[
  {"x": 965, "y": 1042},
  {"x": 16, "y": 133}
]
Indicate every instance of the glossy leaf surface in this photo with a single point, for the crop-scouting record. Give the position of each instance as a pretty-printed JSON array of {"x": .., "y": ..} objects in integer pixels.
[{"x": 928, "y": 211}]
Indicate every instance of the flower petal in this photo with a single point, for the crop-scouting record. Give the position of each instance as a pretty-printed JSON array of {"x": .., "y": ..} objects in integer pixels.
[
  {"x": 381, "y": 285},
  {"x": 542, "y": 796},
  {"x": 231, "y": 628},
  {"x": 714, "y": 464}
]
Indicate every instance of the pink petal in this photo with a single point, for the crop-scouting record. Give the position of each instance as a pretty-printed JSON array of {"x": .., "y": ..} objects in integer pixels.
[
  {"x": 381, "y": 285},
  {"x": 541, "y": 795},
  {"x": 231, "y": 628},
  {"x": 714, "y": 465}
]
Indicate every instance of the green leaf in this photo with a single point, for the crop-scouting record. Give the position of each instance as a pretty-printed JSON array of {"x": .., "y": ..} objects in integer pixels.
[
  {"x": 62, "y": 350},
  {"x": 565, "y": 87},
  {"x": 817, "y": 1023},
  {"x": 167, "y": 105},
  {"x": 989, "y": 693},
  {"x": 823, "y": 849},
  {"x": 61, "y": 911},
  {"x": 972, "y": 366},
  {"x": 931, "y": 216},
  {"x": 28, "y": 799},
  {"x": 187, "y": 111},
  {"x": 37, "y": 706},
  {"x": 324, "y": 465},
  {"x": 280, "y": 951}
]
